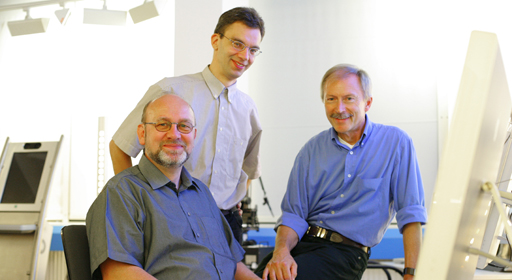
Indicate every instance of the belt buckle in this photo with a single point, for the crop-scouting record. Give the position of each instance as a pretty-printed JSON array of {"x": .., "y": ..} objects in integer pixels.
[
  {"x": 336, "y": 238},
  {"x": 322, "y": 232}
]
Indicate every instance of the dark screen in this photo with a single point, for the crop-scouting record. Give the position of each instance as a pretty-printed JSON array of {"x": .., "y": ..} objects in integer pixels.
[{"x": 23, "y": 178}]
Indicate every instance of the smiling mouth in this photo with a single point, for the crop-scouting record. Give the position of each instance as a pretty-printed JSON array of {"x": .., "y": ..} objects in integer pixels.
[
  {"x": 174, "y": 145},
  {"x": 238, "y": 64}
]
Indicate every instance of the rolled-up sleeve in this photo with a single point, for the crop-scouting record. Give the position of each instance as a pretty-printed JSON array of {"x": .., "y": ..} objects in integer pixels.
[
  {"x": 408, "y": 187},
  {"x": 295, "y": 202}
]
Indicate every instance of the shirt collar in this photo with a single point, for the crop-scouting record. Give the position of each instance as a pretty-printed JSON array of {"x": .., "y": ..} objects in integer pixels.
[
  {"x": 368, "y": 128},
  {"x": 156, "y": 179},
  {"x": 216, "y": 87}
]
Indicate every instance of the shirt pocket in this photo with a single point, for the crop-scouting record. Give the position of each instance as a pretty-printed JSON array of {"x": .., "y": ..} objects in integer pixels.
[
  {"x": 216, "y": 235},
  {"x": 369, "y": 190}
]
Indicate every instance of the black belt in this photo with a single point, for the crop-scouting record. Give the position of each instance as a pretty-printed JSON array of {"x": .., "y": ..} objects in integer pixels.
[
  {"x": 333, "y": 236},
  {"x": 227, "y": 212}
]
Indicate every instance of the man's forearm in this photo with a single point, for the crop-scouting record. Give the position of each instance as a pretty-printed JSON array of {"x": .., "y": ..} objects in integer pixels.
[
  {"x": 412, "y": 243},
  {"x": 243, "y": 273},
  {"x": 111, "y": 269},
  {"x": 286, "y": 238},
  {"x": 120, "y": 160}
]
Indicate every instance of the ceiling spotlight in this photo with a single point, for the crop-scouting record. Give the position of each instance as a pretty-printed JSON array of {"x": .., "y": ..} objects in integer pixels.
[
  {"x": 149, "y": 9},
  {"x": 63, "y": 15},
  {"x": 104, "y": 16},
  {"x": 28, "y": 25}
]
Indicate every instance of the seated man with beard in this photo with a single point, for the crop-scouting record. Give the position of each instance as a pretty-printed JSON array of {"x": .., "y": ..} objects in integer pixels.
[{"x": 154, "y": 220}]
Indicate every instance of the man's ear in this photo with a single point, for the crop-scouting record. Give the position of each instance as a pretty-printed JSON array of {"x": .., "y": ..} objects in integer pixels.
[
  {"x": 215, "y": 41},
  {"x": 368, "y": 104},
  {"x": 141, "y": 133}
]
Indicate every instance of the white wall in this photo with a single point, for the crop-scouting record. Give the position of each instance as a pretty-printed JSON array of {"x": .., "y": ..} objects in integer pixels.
[
  {"x": 305, "y": 38},
  {"x": 413, "y": 51},
  {"x": 62, "y": 81}
]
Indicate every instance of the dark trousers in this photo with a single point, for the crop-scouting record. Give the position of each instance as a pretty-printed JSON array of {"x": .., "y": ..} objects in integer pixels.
[
  {"x": 235, "y": 223},
  {"x": 321, "y": 259}
]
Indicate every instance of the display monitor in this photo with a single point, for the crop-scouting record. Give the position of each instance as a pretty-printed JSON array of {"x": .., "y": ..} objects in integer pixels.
[
  {"x": 25, "y": 175},
  {"x": 470, "y": 158}
]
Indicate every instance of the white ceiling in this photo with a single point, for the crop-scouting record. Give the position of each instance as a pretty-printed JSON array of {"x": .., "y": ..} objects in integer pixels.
[{"x": 20, "y": 4}]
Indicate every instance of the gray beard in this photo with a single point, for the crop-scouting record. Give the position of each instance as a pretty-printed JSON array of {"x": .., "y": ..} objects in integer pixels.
[{"x": 171, "y": 160}]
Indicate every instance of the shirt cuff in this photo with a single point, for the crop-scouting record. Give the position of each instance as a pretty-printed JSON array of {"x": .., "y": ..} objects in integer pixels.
[
  {"x": 298, "y": 224},
  {"x": 126, "y": 146},
  {"x": 411, "y": 214}
]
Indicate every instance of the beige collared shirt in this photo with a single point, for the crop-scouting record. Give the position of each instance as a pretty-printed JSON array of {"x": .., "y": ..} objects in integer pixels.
[{"x": 226, "y": 152}]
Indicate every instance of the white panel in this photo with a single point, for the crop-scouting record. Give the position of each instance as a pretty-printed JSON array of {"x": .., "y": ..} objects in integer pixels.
[{"x": 471, "y": 157}]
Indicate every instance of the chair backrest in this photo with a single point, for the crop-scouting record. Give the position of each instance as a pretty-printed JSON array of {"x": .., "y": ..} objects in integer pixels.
[{"x": 76, "y": 251}]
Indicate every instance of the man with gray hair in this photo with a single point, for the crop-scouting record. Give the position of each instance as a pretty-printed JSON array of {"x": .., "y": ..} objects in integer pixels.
[
  {"x": 154, "y": 220},
  {"x": 346, "y": 185}
]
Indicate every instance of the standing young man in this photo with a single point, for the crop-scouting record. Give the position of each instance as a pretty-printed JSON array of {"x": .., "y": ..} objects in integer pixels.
[{"x": 226, "y": 154}]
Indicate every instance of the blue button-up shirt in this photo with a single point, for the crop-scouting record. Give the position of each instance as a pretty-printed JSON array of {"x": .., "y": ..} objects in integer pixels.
[
  {"x": 355, "y": 191},
  {"x": 143, "y": 219}
]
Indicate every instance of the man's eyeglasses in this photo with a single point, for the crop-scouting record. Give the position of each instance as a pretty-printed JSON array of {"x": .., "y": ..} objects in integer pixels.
[
  {"x": 183, "y": 127},
  {"x": 239, "y": 46}
]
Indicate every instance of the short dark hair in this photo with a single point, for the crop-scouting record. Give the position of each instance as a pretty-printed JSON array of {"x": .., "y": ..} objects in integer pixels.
[
  {"x": 341, "y": 71},
  {"x": 249, "y": 17}
]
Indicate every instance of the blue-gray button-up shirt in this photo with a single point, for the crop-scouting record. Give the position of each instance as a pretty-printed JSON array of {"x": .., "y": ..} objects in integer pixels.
[
  {"x": 140, "y": 218},
  {"x": 357, "y": 191}
]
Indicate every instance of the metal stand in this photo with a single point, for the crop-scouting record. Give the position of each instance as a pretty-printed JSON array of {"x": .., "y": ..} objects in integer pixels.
[{"x": 498, "y": 203}]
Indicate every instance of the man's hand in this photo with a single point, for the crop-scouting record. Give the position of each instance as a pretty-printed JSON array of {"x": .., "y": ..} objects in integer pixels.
[
  {"x": 239, "y": 207},
  {"x": 282, "y": 266}
]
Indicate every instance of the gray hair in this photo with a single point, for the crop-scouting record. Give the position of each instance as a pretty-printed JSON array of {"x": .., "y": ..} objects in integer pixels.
[
  {"x": 341, "y": 71},
  {"x": 143, "y": 117}
]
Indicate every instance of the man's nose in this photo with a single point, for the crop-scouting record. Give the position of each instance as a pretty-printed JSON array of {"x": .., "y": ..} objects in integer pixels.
[
  {"x": 246, "y": 54},
  {"x": 173, "y": 132},
  {"x": 341, "y": 106}
]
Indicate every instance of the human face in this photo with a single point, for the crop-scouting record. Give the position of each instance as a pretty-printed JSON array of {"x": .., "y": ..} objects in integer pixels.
[
  {"x": 168, "y": 149},
  {"x": 228, "y": 63},
  {"x": 346, "y": 107}
]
